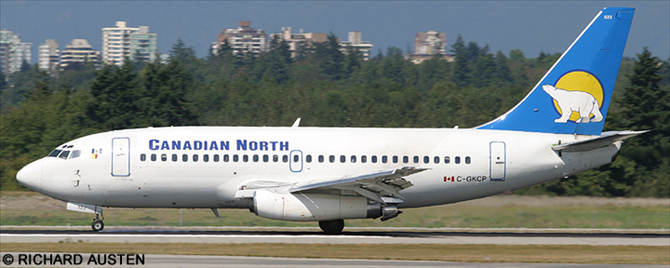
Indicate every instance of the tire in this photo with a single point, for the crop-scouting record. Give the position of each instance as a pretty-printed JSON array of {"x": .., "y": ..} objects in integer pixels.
[
  {"x": 332, "y": 227},
  {"x": 97, "y": 225}
]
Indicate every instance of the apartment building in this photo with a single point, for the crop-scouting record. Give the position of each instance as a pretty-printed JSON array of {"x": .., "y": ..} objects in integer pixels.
[
  {"x": 79, "y": 52},
  {"x": 363, "y": 47},
  {"x": 297, "y": 40},
  {"x": 243, "y": 39},
  {"x": 427, "y": 45},
  {"x": 122, "y": 41},
  {"x": 13, "y": 52},
  {"x": 49, "y": 56}
]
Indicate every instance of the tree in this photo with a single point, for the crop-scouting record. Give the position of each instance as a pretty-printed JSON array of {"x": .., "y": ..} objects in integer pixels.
[
  {"x": 114, "y": 93},
  {"x": 330, "y": 57},
  {"x": 502, "y": 73},
  {"x": 484, "y": 72},
  {"x": 640, "y": 106},
  {"x": 181, "y": 52},
  {"x": 461, "y": 75}
]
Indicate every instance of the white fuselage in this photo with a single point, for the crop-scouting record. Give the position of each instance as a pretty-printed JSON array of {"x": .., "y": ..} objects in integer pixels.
[{"x": 135, "y": 168}]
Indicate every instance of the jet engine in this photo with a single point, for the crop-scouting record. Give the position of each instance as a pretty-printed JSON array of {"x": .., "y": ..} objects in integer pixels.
[{"x": 317, "y": 207}]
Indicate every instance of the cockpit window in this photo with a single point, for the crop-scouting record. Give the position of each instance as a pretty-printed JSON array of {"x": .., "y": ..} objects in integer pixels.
[
  {"x": 64, "y": 154},
  {"x": 75, "y": 154},
  {"x": 54, "y": 153}
]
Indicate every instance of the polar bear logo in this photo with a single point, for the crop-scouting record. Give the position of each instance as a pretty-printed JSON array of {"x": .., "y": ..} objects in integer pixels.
[{"x": 578, "y": 101}]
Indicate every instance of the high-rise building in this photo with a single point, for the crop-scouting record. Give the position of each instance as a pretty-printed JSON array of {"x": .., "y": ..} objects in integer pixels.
[
  {"x": 13, "y": 52},
  {"x": 19, "y": 53},
  {"x": 79, "y": 52},
  {"x": 354, "y": 42},
  {"x": 244, "y": 39},
  {"x": 121, "y": 41},
  {"x": 5, "y": 45},
  {"x": 143, "y": 45},
  {"x": 297, "y": 40},
  {"x": 430, "y": 42},
  {"x": 49, "y": 56},
  {"x": 427, "y": 45}
]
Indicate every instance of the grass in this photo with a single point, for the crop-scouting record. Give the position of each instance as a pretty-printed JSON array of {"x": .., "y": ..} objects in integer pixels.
[
  {"x": 549, "y": 215},
  {"x": 443, "y": 216},
  {"x": 425, "y": 252}
]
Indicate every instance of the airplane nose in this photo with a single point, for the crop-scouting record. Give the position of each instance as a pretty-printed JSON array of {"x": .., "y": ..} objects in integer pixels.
[{"x": 31, "y": 176}]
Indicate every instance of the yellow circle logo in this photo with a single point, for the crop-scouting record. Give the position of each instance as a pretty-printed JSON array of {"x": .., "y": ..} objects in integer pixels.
[{"x": 584, "y": 82}]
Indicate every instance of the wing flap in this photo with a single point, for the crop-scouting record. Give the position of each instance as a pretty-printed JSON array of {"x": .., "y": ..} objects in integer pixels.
[
  {"x": 390, "y": 177},
  {"x": 375, "y": 186}
]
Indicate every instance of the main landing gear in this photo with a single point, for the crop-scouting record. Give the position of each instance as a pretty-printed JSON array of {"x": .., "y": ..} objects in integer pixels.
[
  {"x": 97, "y": 225},
  {"x": 332, "y": 227}
]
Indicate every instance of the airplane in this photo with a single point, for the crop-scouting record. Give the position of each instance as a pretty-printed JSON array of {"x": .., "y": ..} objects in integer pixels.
[{"x": 332, "y": 174}]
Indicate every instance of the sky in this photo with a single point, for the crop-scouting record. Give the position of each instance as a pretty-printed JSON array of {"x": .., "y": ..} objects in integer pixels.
[{"x": 531, "y": 26}]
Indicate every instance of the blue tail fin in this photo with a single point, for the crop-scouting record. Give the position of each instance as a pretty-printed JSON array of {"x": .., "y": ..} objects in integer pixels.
[{"x": 574, "y": 95}]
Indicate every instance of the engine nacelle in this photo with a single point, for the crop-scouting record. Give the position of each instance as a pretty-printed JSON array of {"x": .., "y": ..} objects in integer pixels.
[{"x": 312, "y": 207}]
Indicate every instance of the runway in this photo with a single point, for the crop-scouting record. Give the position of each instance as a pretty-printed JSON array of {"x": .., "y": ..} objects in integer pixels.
[
  {"x": 299, "y": 236},
  {"x": 383, "y": 236},
  {"x": 160, "y": 260}
]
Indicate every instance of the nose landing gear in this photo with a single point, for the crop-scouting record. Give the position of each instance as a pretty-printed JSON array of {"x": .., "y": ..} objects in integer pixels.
[{"x": 97, "y": 225}]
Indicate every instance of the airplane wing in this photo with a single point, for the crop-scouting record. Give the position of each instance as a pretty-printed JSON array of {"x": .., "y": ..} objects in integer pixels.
[
  {"x": 376, "y": 186},
  {"x": 603, "y": 140}
]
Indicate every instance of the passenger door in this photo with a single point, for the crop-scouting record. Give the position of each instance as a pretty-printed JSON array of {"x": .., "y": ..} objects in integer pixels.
[
  {"x": 497, "y": 161},
  {"x": 121, "y": 157}
]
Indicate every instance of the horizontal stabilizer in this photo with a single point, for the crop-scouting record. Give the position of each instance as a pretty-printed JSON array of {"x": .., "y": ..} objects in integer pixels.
[{"x": 605, "y": 139}]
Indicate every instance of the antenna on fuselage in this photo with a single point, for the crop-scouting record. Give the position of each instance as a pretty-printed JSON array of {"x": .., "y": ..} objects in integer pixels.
[{"x": 296, "y": 123}]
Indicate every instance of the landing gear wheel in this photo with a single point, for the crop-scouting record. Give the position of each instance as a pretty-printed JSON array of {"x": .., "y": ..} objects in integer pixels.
[
  {"x": 97, "y": 225},
  {"x": 332, "y": 227}
]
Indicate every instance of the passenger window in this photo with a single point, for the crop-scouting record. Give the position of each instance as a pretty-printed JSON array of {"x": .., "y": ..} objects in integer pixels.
[
  {"x": 457, "y": 160},
  {"x": 373, "y": 159},
  {"x": 343, "y": 159},
  {"x": 395, "y": 159},
  {"x": 275, "y": 158},
  {"x": 320, "y": 158},
  {"x": 75, "y": 154},
  {"x": 153, "y": 157},
  {"x": 266, "y": 158},
  {"x": 184, "y": 157},
  {"x": 446, "y": 160},
  {"x": 296, "y": 158},
  {"x": 436, "y": 160},
  {"x": 384, "y": 159},
  {"x": 226, "y": 158},
  {"x": 467, "y": 160},
  {"x": 64, "y": 154},
  {"x": 195, "y": 158},
  {"x": 353, "y": 159},
  {"x": 364, "y": 159},
  {"x": 405, "y": 159},
  {"x": 255, "y": 158},
  {"x": 415, "y": 159},
  {"x": 331, "y": 159},
  {"x": 164, "y": 157},
  {"x": 245, "y": 158},
  {"x": 216, "y": 158},
  {"x": 426, "y": 159},
  {"x": 143, "y": 157},
  {"x": 54, "y": 153},
  {"x": 284, "y": 158},
  {"x": 236, "y": 158},
  {"x": 308, "y": 158},
  {"x": 205, "y": 158},
  {"x": 174, "y": 157}
]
